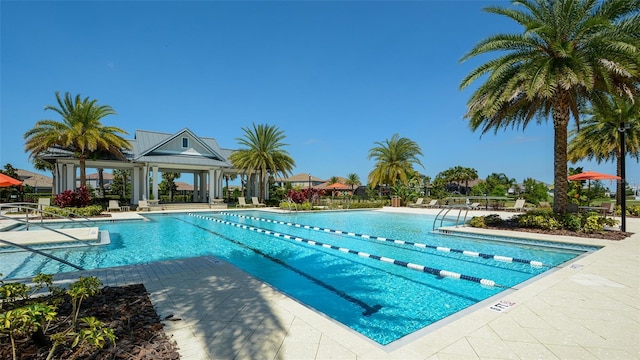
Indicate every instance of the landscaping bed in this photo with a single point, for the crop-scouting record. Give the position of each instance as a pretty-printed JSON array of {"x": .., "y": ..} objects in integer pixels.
[{"x": 126, "y": 309}]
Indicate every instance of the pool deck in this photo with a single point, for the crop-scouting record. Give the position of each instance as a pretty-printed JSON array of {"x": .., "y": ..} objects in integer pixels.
[{"x": 589, "y": 309}]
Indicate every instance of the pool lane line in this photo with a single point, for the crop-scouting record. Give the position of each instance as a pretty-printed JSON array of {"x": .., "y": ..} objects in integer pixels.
[
  {"x": 401, "y": 242},
  {"x": 412, "y": 266},
  {"x": 368, "y": 309}
]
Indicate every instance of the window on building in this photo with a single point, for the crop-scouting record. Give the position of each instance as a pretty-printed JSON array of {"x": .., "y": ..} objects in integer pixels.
[{"x": 185, "y": 142}]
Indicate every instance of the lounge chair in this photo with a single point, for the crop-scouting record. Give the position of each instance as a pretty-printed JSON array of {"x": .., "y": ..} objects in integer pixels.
[
  {"x": 544, "y": 205},
  {"x": 256, "y": 202},
  {"x": 113, "y": 205},
  {"x": 474, "y": 206},
  {"x": 43, "y": 203},
  {"x": 143, "y": 205},
  {"x": 518, "y": 206},
  {"x": 242, "y": 202},
  {"x": 418, "y": 203},
  {"x": 431, "y": 204}
]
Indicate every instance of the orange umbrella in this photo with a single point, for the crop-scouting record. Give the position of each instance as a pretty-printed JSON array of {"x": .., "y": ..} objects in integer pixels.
[
  {"x": 8, "y": 181},
  {"x": 338, "y": 186},
  {"x": 593, "y": 175}
]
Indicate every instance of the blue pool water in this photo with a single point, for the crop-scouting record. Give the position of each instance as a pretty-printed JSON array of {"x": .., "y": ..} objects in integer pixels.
[{"x": 381, "y": 300}]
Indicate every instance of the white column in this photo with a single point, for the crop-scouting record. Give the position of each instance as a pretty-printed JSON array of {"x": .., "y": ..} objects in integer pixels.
[
  {"x": 202, "y": 189},
  {"x": 194, "y": 193},
  {"x": 70, "y": 177},
  {"x": 212, "y": 187},
  {"x": 136, "y": 185},
  {"x": 155, "y": 183}
]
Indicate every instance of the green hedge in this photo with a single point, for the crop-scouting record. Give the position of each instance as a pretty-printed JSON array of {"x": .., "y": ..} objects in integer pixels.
[{"x": 87, "y": 211}]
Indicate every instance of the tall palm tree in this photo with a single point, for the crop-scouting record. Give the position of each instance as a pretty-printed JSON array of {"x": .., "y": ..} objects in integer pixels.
[
  {"x": 599, "y": 135},
  {"x": 568, "y": 50},
  {"x": 353, "y": 180},
  {"x": 80, "y": 131},
  {"x": 263, "y": 153},
  {"x": 395, "y": 159},
  {"x": 333, "y": 180}
]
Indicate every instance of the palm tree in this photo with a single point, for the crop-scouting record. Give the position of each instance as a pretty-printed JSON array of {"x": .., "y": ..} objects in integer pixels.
[
  {"x": 228, "y": 177},
  {"x": 263, "y": 153},
  {"x": 394, "y": 161},
  {"x": 333, "y": 180},
  {"x": 599, "y": 135},
  {"x": 353, "y": 180},
  {"x": 170, "y": 181},
  {"x": 568, "y": 50},
  {"x": 80, "y": 131}
]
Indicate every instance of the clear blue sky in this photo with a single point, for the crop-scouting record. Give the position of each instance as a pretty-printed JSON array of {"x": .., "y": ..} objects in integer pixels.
[{"x": 335, "y": 76}]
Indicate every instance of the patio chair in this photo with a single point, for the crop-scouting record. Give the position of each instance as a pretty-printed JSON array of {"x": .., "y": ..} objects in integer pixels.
[
  {"x": 113, "y": 205},
  {"x": 518, "y": 206},
  {"x": 143, "y": 205},
  {"x": 242, "y": 202},
  {"x": 608, "y": 209},
  {"x": 418, "y": 203},
  {"x": 256, "y": 202}
]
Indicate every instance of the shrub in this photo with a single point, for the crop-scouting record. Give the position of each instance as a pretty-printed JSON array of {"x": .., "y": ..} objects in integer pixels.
[
  {"x": 78, "y": 198},
  {"x": 86, "y": 211},
  {"x": 477, "y": 222}
]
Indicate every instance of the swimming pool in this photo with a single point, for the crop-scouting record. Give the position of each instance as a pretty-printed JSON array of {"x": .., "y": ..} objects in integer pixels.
[{"x": 325, "y": 264}]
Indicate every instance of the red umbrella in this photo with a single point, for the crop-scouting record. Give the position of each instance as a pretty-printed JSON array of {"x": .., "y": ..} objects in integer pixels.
[
  {"x": 592, "y": 175},
  {"x": 8, "y": 181}
]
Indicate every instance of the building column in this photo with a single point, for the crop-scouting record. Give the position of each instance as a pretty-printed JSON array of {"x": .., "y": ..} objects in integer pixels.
[
  {"x": 194, "y": 193},
  {"x": 136, "y": 194},
  {"x": 70, "y": 177},
  {"x": 155, "y": 183},
  {"x": 212, "y": 187},
  {"x": 202, "y": 188}
]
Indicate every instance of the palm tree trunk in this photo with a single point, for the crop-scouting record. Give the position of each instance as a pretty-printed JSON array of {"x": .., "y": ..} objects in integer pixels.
[
  {"x": 83, "y": 171},
  {"x": 561, "y": 117},
  {"x": 101, "y": 181}
]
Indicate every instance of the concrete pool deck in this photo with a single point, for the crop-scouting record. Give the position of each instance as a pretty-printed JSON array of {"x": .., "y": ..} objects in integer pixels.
[{"x": 589, "y": 309}]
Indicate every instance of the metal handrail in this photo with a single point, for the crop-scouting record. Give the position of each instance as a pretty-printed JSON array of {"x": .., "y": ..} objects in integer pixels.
[
  {"x": 42, "y": 253},
  {"x": 46, "y": 228},
  {"x": 446, "y": 211},
  {"x": 30, "y": 206}
]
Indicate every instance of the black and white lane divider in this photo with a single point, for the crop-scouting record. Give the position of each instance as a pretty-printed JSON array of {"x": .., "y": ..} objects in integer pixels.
[
  {"x": 417, "y": 267},
  {"x": 396, "y": 241}
]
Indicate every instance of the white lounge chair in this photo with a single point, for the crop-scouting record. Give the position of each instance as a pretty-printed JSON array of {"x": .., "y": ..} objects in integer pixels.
[
  {"x": 418, "y": 203},
  {"x": 113, "y": 205},
  {"x": 518, "y": 206},
  {"x": 143, "y": 205},
  {"x": 43, "y": 203},
  {"x": 256, "y": 202},
  {"x": 474, "y": 206},
  {"x": 242, "y": 202},
  {"x": 432, "y": 203}
]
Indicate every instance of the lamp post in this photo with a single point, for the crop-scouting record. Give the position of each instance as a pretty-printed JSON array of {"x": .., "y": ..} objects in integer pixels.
[{"x": 623, "y": 201}]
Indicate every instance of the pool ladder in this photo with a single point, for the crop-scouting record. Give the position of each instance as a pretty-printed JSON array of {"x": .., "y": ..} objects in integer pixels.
[{"x": 442, "y": 214}]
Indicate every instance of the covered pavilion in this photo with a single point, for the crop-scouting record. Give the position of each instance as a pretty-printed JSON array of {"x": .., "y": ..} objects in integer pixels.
[{"x": 153, "y": 153}]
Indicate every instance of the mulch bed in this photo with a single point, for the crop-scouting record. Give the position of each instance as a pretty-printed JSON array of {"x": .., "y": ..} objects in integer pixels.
[
  {"x": 126, "y": 309},
  {"x": 605, "y": 235}
]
